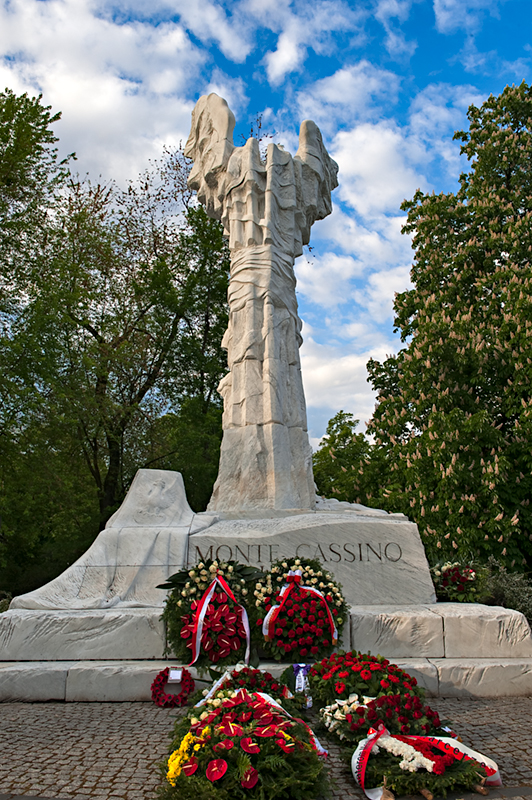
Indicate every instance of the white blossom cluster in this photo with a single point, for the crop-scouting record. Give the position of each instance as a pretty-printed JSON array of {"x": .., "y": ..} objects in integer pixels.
[
  {"x": 323, "y": 581},
  {"x": 201, "y": 577},
  {"x": 212, "y": 702},
  {"x": 335, "y": 714},
  {"x": 412, "y": 758},
  {"x": 470, "y": 574}
]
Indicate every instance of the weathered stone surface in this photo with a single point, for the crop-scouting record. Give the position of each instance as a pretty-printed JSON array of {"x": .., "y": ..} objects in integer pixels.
[
  {"x": 144, "y": 542},
  {"x": 267, "y": 209},
  {"x": 33, "y": 682},
  {"x": 424, "y": 671},
  {"x": 117, "y": 681},
  {"x": 397, "y": 631},
  {"x": 376, "y": 557},
  {"x": 156, "y": 499},
  {"x": 472, "y": 630},
  {"x": 74, "y": 635},
  {"x": 486, "y": 677}
]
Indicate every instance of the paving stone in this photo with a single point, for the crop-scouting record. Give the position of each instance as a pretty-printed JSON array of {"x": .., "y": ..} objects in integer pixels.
[{"x": 99, "y": 751}]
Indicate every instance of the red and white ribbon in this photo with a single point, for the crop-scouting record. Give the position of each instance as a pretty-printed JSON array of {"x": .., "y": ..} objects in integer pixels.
[
  {"x": 201, "y": 610},
  {"x": 293, "y": 579},
  {"x": 460, "y": 751}
]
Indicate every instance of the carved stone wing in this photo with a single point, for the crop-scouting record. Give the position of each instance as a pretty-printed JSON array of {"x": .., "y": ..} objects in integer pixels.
[
  {"x": 319, "y": 176},
  {"x": 210, "y": 145}
]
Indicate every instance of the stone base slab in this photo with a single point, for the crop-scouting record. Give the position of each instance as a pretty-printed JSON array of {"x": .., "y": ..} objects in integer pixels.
[
  {"x": 108, "y": 634},
  {"x": 441, "y": 630},
  {"x": 126, "y": 681}
]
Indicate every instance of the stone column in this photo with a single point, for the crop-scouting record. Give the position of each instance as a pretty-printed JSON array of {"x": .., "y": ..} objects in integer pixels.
[{"x": 267, "y": 209}]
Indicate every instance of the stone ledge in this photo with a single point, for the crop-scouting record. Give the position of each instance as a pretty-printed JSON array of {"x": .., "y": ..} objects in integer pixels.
[
  {"x": 81, "y": 635},
  {"x": 126, "y": 681},
  {"x": 441, "y": 630}
]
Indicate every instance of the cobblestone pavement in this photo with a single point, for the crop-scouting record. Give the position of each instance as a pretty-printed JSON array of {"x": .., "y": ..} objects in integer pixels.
[{"x": 110, "y": 751}]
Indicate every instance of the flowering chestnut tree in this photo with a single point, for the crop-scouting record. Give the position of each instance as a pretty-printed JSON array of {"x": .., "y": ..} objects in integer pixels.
[{"x": 453, "y": 422}]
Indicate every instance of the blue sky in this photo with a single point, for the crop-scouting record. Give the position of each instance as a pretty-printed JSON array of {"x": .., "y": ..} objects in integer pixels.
[{"x": 388, "y": 81}]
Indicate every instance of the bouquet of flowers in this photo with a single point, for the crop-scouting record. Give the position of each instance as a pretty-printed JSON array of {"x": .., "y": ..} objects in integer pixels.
[
  {"x": 217, "y": 592},
  {"x": 300, "y": 610},
  {"x": 242, "y": 745},
  {"x": 257, "y": 680},
  {"x": 426, "y": 765},
  {"x": 352, "y": 719},
  {"x": 344, "y": 674},
  {"x": 457, "y": 582}
]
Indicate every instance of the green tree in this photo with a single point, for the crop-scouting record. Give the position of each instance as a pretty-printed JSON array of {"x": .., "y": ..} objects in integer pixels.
[
  {"x": 334, "y": 461},
  {"x": 454, "y": 412},
  {"x": 111, "y": 321}
]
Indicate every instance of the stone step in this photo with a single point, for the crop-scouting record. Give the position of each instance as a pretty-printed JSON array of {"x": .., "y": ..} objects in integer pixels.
[
  {"x": 121, "y": 681},
  {"x": 439, "y": 630}
]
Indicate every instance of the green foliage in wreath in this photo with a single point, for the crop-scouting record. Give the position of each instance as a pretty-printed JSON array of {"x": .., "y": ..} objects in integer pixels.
[
  {"x": 223, "y": 640},
  {"x": 384, "y": 768},
  {"x": 240, "y": 747}
]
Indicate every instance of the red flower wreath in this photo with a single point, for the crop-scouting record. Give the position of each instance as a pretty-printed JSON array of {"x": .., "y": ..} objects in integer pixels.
[{"x": 164, "y": 700}]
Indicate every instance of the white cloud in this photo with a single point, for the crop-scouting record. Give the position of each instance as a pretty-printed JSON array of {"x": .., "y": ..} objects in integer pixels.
[
  {"x": 324, "y": 279},
  {"x": 207, "y": 20},
  {"x": 231, "y": 89},
  {"x": 378, "y": 295},
  {"x": 312, "y": 26},
  {"x": 395, "y": 42},
  {"x": 352, "y": 93},
  {"x": 453, "y": 15},
  {"x": 378, "y": 167},
  {"x": 334, "y": 381},
  {"x": 120, "y": 87}
]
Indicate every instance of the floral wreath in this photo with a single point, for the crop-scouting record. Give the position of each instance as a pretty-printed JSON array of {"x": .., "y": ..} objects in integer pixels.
[
  {"x": 205, "y": 613},
  {"x": 300, "y": 609},
  {"x": 236, "y": 742},
  {"x": 164, "y": 700}
]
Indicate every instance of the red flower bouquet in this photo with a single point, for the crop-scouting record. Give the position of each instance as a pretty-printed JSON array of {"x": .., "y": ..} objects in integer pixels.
[
  {"x": 301, "y": 611},
  {"x": 411, "y": 765},
  {"x": 233, "y": 747},
  {"x": 256, "y": 680},
  {"x": 214, "y": 594},
  {"x": 352, "y": 719},
  {"x": 344, "y": 674}
]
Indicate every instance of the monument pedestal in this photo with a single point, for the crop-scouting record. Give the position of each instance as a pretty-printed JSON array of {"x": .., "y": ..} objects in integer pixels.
[
  {"x": 453, "y": 650},
  {"x": 95, "y": 634}
]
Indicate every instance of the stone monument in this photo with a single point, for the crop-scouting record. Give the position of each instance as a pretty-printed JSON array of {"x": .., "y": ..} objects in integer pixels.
[
  {"x": 94, "y": 633},
  {"x": 267, "y": 209}
]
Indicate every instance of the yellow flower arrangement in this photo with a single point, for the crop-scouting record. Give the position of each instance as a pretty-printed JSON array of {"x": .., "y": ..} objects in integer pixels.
[{"x": 189, "y": 744}]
